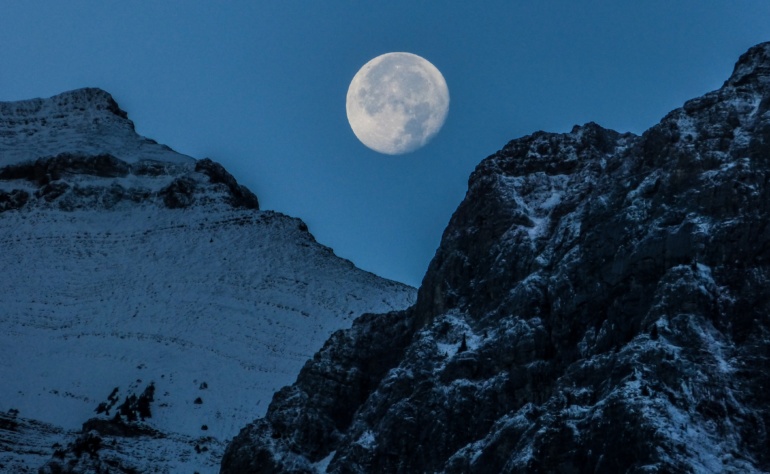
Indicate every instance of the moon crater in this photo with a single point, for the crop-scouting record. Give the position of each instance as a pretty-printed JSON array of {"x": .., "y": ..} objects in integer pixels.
[{"x": 397, "y": 103}]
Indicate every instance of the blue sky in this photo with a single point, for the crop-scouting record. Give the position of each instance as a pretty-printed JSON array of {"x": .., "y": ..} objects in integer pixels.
[{"x": 260, "y": 87}]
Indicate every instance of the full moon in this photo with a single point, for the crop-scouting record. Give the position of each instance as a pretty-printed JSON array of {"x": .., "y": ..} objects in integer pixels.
[{"x": 397, "y": 103}]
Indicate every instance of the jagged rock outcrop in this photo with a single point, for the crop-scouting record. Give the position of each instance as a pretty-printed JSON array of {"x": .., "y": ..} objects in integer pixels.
[
  {"x": 57, "y": 182},
  {"x": 239, "y": 196},
  {"x": 600, "y": 302}
]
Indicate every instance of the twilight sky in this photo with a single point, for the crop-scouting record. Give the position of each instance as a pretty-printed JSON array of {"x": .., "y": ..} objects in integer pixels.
[{"x": 260, "y": 87}]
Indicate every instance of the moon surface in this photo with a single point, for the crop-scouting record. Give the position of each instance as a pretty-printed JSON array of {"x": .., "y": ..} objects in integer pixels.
[{"x": 397, "y": 102}]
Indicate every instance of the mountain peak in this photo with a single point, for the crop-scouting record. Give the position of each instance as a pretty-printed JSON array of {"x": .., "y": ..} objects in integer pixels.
[
  {"x": 79, "y": 150},
  {"x": 752, "y": 67},
  {"x": 90, "y": 97},
  {"x": 84, "y": 121},
  {"x": 74, "y": 103}
]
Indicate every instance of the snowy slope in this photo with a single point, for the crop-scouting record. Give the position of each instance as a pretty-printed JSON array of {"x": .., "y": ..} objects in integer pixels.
[{"x": 205, "y": 300}]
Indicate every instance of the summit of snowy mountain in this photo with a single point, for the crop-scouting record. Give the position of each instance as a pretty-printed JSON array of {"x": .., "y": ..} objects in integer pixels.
[
  {"x": 80, "y": 122},
  {"x": 79, "y": 150},
  {"x": 599, "y": 302},
  {"x": 149, "y": 308}
]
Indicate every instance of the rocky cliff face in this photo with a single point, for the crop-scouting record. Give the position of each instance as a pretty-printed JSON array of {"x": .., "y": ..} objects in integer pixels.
[{"x": 600, "y": 302}]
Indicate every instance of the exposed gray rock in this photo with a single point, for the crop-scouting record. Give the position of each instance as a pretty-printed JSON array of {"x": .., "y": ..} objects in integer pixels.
[
  {"x": 13, "y": 200},
  {"x": 58, "y": 181},
  {"x": 240, "y": 195},
  {"x": 45, "y": 170},
  {"x": 179, "y": 193},
  {"x": 611, "y": 293}
]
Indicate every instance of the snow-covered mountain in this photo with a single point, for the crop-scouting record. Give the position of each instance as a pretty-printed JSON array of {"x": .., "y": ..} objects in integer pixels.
[
  {"x": 84, "y": 121},
  {"x": 141, "y": 282},
  {"x": 599, "y": 303}
]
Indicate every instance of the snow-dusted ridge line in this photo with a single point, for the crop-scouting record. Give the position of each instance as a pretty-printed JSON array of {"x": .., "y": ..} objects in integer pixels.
[{"x": 83, "y": 121}]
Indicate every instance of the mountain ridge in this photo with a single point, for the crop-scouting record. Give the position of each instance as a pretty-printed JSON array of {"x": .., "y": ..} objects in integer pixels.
[{"x": 84, "y": 121}]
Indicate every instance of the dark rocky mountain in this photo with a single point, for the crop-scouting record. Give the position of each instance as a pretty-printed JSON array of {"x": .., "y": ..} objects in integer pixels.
[{"x": 600, "y": 302}]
